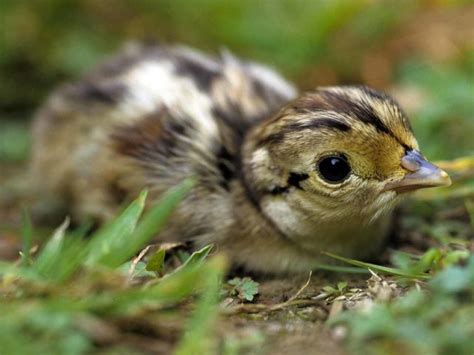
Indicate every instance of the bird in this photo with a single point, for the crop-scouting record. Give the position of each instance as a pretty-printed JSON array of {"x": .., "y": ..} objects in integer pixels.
[{"x": 281, "y": 177}]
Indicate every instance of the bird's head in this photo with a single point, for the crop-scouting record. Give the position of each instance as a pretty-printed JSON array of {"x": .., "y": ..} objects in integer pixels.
[{"x": 334, "y": 155}]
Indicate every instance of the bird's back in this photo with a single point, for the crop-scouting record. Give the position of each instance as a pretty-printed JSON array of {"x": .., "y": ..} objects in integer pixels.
[{"x": 149, "y": 117}]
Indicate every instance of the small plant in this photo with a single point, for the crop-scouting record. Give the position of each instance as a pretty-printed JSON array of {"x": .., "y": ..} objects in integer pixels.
[
  {"x": 337, "y": 291},
  {"x": 244, "y": 288}
]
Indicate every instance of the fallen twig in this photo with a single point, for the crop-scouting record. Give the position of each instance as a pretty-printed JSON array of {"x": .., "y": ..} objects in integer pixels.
[{"x": 259, "y": 307}]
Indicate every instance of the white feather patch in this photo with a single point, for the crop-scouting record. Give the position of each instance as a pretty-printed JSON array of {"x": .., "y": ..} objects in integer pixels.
[{"x": 153, "y": 84}]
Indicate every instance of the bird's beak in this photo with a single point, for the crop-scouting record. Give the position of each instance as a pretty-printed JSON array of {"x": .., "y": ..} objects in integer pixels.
[{"x": 421, "y": 174}]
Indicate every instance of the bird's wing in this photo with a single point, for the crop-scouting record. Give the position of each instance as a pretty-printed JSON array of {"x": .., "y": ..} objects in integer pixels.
[
  {"x": 202, "y": 104},
  {"x": 173, "y": 110}
]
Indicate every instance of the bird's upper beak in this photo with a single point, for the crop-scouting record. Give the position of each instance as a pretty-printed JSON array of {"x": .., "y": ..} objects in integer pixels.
[{"x": 421, "y": 174}]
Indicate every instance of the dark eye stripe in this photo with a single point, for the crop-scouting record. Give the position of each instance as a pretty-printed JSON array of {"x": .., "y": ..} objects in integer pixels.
[
  {"x": 313, "y": 124},
  {"x": 363, "y": 111},
  {"x": 321, "y": 122}
]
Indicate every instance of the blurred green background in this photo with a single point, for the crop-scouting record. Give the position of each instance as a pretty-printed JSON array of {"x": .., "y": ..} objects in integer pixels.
[{"x": 421, "y": 51}]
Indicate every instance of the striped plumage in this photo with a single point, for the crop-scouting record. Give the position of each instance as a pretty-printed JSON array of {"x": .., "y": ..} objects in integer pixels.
[{"x": 152, "y": 116}]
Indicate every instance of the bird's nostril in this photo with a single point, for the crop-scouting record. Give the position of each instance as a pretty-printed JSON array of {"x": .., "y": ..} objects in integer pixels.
[{"x": 410, "y": 164}]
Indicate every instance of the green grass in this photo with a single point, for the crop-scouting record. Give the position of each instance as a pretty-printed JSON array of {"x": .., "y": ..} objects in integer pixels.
[
  {"x": 48, "y": 298},
  {"x": 436, "y": 320},
  {"x": 435, "y": 312}
]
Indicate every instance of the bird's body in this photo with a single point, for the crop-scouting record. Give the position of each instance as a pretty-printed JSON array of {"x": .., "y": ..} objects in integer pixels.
[{"x": 279, "y": 179}]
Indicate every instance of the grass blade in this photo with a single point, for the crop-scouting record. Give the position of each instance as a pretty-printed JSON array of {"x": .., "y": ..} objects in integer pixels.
[
  {"x": 61, "y": 256},
  {"x": 46, "y": 264},
  {"x": 27, "y": 237},
  {"x": 153, "y": 220},
  {"x": 337, "y": 268},
  {"x": 197, "y": 257},
  {"x": 198, "y": 338},
  {"x": 117, "y": 242},
  {"x": 379, "y": 268},
  {"x": 106, "y": 244}
]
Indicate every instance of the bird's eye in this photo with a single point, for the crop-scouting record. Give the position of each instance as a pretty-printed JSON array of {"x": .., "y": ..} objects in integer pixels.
[{"x": 334, "y": 168}]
